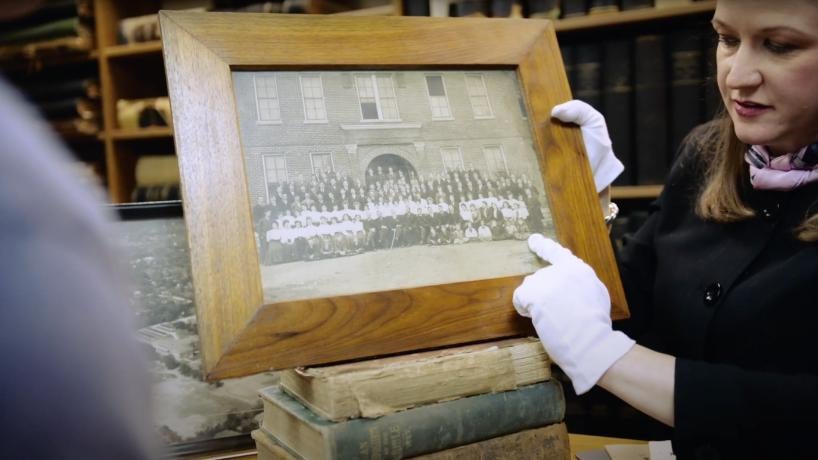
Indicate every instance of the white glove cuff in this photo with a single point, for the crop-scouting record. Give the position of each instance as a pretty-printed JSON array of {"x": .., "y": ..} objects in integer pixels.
[
  {"x": 599, "y": 359},
  {"x": 609, "y": 169}
]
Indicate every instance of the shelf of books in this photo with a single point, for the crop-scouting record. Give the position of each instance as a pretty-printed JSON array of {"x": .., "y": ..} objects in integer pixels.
[
  {"x": 115, "y": 51},
  {"x": 116, "y": 44},
  {"x": 141, "y": 133},
  {"x": 615, "y": 18}
]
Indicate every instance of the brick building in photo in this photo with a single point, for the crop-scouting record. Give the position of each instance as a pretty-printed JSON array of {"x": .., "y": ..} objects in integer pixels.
[{"x": 295, "y": 124}]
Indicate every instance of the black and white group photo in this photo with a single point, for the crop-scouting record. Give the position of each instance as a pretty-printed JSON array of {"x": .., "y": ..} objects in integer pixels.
[
  {"x": 372, "y": 181},
  {"x": 336, "y": 216}
]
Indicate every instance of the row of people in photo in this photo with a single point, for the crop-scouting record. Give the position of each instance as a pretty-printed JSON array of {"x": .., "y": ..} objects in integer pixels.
[
  {"x": 348, "y": 237},
  {"x": 490, "y": 208},
  {"x": 328, "y": 191}
]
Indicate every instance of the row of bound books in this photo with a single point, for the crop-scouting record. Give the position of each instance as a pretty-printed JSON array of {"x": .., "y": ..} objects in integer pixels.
[
  {"x": 550, "y": 9},
  {"x": 52, "y": 28},
  {"x": 145, "y": 28},
  {"x": 652, "y": 89},
  {"x": 69, "y": 99},
  {"x": 574, "y": 8},
  {"x": 156, "y": 178},
  {"x": 492, "y": 400}
]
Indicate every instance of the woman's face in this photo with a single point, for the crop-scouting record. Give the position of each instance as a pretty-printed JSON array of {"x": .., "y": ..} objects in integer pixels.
[{"x": 768, "y": 70}]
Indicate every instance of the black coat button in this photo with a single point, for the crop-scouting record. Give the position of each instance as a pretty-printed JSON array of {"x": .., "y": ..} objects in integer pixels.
[
  {"x": 712, "y": 294},
  {"x": 770, "y": 212}
]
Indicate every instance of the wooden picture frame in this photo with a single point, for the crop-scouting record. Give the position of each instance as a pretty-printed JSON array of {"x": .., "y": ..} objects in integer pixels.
[{"x": 242, "y": 334}]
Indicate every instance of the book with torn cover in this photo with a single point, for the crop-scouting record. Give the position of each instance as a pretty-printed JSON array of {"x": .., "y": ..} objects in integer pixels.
[
  {"x": 376, "y": 387},
  {"x": 418, "y": 431}
]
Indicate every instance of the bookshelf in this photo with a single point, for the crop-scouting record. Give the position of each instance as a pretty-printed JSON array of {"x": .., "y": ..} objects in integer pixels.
[
  {"x": 137, "y": 70},
  {"x": 632, "y": 17}
]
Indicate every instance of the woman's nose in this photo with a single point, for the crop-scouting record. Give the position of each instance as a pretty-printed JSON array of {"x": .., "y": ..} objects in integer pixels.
[{"x": 743, "y": 69}]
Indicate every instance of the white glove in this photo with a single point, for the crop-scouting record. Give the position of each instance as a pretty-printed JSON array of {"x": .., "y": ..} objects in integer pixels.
[
  {"x": 604, "y": 164},
  {"x": 571, "y": 311}
]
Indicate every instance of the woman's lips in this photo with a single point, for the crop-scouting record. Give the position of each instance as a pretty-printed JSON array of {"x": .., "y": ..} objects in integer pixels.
[{"x": 749, "y": 109}]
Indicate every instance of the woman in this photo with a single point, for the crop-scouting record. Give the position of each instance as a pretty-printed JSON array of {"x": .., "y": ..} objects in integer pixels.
[{"x": 720, "y": 280}]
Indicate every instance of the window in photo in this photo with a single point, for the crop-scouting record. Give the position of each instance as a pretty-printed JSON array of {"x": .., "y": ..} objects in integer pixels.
[
  {"x": 267, "y": 104},
  {"x": 312, "y": 94}
]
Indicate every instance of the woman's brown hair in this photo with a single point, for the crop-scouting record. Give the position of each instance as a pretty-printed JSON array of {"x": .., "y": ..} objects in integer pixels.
[{"x": 720, "y": 197}]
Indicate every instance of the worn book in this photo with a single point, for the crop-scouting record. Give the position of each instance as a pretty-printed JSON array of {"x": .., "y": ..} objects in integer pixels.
[
  {"x": 68, "y": 27},
  {"x": 651, "y": 105},
  {"x": 617, "y": 103},
  {"x": 541, "y": 9},
  {"x": 574, "y": 8},
  {"x": 544, "y": 443},
  {"x": 588, "y": 68},
  {"x": 376, "y": 387},
  {"x": 143, "y": 113},
  {"x": 418, "y": 431},
  {"x": 671, "y": 3},
  {"x": 603, "y": 6},
  {"x": 64, "y": 88},
  {"x": 636, "y": 4},
  {"x": 686, "y": 85},
  {"x": 72, "y": 107}
]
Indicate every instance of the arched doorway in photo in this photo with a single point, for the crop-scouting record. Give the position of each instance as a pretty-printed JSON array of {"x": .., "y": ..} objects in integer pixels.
[{"x": 388, "y": 166}]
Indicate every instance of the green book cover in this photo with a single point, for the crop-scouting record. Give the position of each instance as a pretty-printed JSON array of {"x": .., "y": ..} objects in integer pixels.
[
  {"x": 61, "y": 28},
  {"x": 412, "y": 432}
]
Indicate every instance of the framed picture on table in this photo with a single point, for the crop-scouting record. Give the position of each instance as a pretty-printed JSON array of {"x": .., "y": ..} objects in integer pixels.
[
  {"x": 189, "y": 415},
  {"x": 362, "y": 186}
]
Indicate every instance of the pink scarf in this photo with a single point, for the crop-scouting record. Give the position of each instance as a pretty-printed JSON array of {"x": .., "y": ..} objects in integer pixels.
[{"x": 784, "y": 172}]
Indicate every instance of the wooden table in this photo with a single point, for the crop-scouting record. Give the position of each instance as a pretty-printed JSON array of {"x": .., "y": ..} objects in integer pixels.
[
  {"x": 583, "y": 442},
  {"x": 579, "y": 443}
]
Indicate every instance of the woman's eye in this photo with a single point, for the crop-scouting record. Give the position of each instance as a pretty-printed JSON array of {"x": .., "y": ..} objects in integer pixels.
[
  {"x": 777, "y": 47},
  {"x": 728, "y": 41}
]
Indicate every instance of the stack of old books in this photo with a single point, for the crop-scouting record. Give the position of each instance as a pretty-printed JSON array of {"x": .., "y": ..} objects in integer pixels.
[
  {"x": 52, "y": 28},
  {"x": 492, "y": 400}
]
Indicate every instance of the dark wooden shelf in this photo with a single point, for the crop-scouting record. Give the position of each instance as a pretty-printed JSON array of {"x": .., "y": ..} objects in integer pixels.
[
  {"x": 145, "y": 133},
  {"x": 132, "y": 49},
  {"x": 631, "y": 16}
]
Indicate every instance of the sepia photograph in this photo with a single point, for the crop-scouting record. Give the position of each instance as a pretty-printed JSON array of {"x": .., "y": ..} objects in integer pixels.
[
  {"x": 375, "y": 181},
  {"x": 189, "y": 413}
]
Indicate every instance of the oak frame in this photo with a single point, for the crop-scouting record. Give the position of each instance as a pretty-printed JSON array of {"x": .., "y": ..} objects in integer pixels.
[{"x": 241, "y": 335}]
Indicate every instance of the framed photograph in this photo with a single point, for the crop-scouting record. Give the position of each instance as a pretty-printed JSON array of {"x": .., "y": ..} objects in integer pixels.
[
  {"x": 190, "y": 415},
  {"x": 358, "y": 187}
]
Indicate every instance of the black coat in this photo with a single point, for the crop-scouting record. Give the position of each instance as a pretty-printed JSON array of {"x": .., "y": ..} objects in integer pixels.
[{"x": 737, "y": 304}]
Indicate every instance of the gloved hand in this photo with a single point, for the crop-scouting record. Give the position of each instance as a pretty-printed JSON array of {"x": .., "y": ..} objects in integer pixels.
[
  {"x": 571, "y": 311},
  {"x": 604, "y": 164}
]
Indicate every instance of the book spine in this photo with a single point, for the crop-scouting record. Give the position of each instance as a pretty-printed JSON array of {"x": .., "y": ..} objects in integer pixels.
[
  {"x": 57, "y": 29},
  {"x": 139, "y": 29},
  {"x": 588, "y": 68},
  {"x": 441, "y": 426},
  {"x": 568, "y": 63},
  {"x": 617, "y": 104},
  {"x": 462, "y": 8},
  {"x": 650, "y": 91},
  {"x": 602, "y": 6},
  {"x": 269, "y": 448},
  {"x": 550, "y": 442},
  {"x": 670, "y": 3},
  {"x": 68, "y": 108},
  {"x": 545, "y": 9},
  {"x": 62, "y": 89},
  {"x": 53, "y": 10},
  {"x": 636, "y": 4},
  {"x": 573, "y": 8},
  {"x": 499, "y": 8},
  {"x": 712, "y": 96},
  {"x": 687, "y": 84},
  {"x": 416, "y": 8}
]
